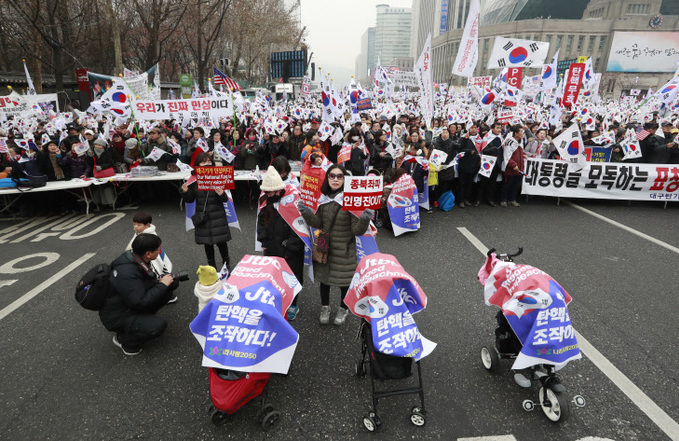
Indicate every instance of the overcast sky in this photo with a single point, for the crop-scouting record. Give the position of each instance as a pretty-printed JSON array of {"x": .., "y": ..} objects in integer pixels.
[{"x": 334, "y": 31}]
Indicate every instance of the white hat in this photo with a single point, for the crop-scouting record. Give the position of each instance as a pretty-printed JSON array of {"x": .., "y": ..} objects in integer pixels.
[{"x": 272, "y": 181}]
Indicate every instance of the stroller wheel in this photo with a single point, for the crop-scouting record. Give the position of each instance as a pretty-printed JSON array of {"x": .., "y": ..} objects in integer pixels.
[
  {"x": 265, "y": 410},
  {"x": 270, "y": 420},
  {"x": 379, "y": 223},
  {"x": 554, "y": 405},
  {"x": 417, "y": 419},
  {"x": 490, "y": 359},
  {"x": 218, "y": 418},
  {"x": 370, "y": 424},
  {"x": 375, "y": 418},
  {"x": 360, "y": 368}
]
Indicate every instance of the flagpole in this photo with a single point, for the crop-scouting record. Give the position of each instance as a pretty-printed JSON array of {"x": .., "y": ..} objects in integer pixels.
[{"x": 136, "y": 127}]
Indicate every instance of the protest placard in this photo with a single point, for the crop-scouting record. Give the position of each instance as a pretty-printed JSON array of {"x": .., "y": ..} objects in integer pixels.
[
  {"x": 361, "y": 192},
  {"x": 212, "y": 178}
]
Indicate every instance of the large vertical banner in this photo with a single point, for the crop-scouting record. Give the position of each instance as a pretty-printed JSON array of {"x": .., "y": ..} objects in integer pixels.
[
  {"x": 468, "y": 54},
  {"x": 572, "y": 88},
  {"x": 424, "y": 78},
  {"x": 186, "y": 85}
]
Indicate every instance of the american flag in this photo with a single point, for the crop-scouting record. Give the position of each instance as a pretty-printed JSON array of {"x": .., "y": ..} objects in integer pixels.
[
  {"x": 222, "y": 78},
  {"x": 642, "y": 134}
]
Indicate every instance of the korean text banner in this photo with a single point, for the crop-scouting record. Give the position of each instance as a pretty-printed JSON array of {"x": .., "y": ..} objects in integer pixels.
[
  {"x": 197, "y": 108},
  {"x": 243, "y": 327},
  {"x": 361, "y": 192},
  {"x": 403, "y": 206},
  {"x": 642, "y": 182},
  {"x": 212, "y": 178},
  {"x": 644, "y": 52},
  {"x": 385, "y": 295},
  {"x": 535, "y": 307}
]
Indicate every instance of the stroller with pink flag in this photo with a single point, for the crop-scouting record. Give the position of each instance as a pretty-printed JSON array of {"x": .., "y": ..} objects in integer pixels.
[
  {"x": 534, "y": 330},
  {"x": 385, "y": 296},
  {"x": 245, "y": 336}
]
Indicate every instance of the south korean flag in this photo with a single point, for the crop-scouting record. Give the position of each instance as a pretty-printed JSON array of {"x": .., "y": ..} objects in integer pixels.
[
  {"x": 515, "y": 52},
  {"x": 487, "y": 165},
  {"x": 630, "y": 145},
  {"x": 571, "y": 148}
]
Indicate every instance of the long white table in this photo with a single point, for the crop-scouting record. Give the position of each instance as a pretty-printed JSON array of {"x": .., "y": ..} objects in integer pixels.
[{"x": 79, "y": 186}]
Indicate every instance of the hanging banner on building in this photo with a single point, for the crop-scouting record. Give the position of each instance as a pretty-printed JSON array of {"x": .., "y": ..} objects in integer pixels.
[
  {"x": 643, "y": 182},
  {"x": 213, "y": 108},
  {"x": 644, "y": 52}
]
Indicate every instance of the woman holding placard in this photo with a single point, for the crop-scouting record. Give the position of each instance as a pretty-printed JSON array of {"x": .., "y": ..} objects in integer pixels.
[
  {"x": 211, "y": 225},
  {"x": 342, "y": 227}
]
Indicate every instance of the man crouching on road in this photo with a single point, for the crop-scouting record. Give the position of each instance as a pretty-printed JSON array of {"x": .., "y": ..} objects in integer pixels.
[{"x": 137, "y": 293}]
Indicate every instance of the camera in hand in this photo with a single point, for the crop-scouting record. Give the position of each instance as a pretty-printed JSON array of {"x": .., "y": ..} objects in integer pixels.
[{"x": 181, "y": 276}]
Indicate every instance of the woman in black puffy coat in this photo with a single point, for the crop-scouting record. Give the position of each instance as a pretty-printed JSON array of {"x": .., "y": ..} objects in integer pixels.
[{"x": 215, "y": 230}]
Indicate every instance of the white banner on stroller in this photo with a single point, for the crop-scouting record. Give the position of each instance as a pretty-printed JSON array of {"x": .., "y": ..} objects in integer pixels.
[
  {"x": 386, "y": 296},
  {"x": 243, "y": 327},
  {"x": 535, "y": 307}
]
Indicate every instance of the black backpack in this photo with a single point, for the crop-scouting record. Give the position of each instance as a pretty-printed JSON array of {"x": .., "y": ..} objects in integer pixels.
[{"x": 94, "y": 287}]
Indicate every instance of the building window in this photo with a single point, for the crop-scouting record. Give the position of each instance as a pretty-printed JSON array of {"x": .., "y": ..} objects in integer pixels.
[
  {"x": 590, "y": 47},
  {"x": 569, "y": 43},
  {"x": 485, "y": 45},
  {"x": 637, "y": 9},
  {"x": 581, "y": 41},
  {"x": 602, "y": 43},
  {"x": 558, "y": 41}
]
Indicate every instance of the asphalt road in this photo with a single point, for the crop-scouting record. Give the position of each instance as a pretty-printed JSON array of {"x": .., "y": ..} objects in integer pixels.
[{"x": 62, "y": 378}]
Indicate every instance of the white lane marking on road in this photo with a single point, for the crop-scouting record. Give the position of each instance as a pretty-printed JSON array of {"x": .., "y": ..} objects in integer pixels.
[
  {"x": 9, "y": 267},
  {"x": 7, "y": 282},
  {"x": 70, "y": 235},
  {"x": 625, "y": 227},
  {"x": 640, "y": 399},
  {"x": 489, "y": 438},
  {"x": 7, "y": 310}
]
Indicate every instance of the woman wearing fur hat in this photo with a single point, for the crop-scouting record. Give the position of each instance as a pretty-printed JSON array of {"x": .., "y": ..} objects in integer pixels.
[{"x": 274, "y": 232}]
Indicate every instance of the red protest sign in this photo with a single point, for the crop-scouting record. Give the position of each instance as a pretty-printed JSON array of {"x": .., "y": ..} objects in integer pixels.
[
  {"x": 514, "y": 75},
  {"x": 505, "y": 116},
  {"x": 361, "y": 192},
  {"x": 344, "y": 154},
  {"x": 310, "y": 189},
  {"x": 212, "y": 178},
  {"x": 572, "y": 86}
]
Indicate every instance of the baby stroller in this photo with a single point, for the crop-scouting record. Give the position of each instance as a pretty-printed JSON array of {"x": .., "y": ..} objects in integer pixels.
[
  {"x": 508, "y": 346},
  {"x": 387, "y": 367},
  {"x": 246, "y": 338},
  {"x": 230, "y": 390},
  {"x": 389, "y": 336}
]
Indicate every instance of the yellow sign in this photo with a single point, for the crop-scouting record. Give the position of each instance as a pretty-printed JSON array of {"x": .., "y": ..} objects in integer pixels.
[{"x": 582, "y": 59}]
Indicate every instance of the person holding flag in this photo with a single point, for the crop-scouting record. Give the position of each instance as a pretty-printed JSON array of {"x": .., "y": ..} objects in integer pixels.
[
  {"x": 513, "y": 164},
  {"x": 342, "y": 226},
  {"x": 275, "y": 226}
]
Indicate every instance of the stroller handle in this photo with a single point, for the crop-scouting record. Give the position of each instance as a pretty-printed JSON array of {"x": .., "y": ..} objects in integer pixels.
[{"x": 505, "y": 257}]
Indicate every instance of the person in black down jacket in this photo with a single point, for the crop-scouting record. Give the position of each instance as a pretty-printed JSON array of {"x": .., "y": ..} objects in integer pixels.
[
  {"x": 467, "y": 167},
  {"x": 277, "y": 237},
  {"x": 137, "y": 294},
  {"x": 380, "y": 158},
  {"x": 215, "y": 230}
]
